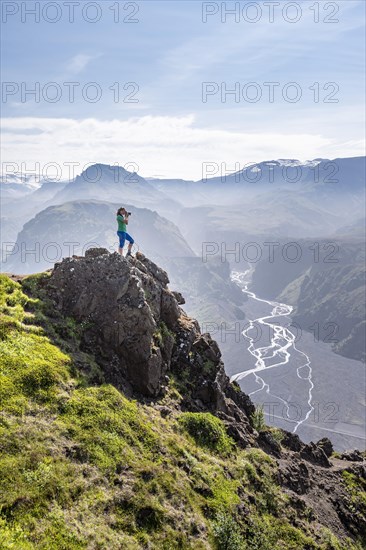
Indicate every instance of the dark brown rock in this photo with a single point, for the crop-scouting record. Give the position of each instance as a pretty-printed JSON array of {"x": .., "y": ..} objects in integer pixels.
[
  {"x": 179, "y": 298},
  {"x": 314, "y": 453},
  {"x": 268, "y": 443},
  {"x": 94, "y": 253},
  {"x": 207, "y": 348},
  {"x": 120, "y": 303},
  {"x": 292, "y": 441},
  {"x": 295, "y": 475},
  {"x": 353, "y": 456},
  {"x": 239, "y": 433},
  {"x": 326, "y": 445},
  {"x": 170, "y": 311}
]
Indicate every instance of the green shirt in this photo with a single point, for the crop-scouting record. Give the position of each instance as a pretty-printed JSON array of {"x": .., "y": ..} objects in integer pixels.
[{"x": 121, "y": 224}]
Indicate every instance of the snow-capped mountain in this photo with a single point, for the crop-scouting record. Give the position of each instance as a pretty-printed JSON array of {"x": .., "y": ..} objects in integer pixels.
[{"x": 341, "y": 174}]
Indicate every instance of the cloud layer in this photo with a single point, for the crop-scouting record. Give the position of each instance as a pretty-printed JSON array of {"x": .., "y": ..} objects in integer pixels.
[{"x": 165, "y": 146}]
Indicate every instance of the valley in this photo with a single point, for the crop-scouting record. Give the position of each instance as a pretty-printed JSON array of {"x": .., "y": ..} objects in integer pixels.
[{"x": 298, "y": 379}]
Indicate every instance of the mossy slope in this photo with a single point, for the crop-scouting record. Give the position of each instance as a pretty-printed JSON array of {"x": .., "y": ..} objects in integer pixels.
[{"x": 83, "y": 467}]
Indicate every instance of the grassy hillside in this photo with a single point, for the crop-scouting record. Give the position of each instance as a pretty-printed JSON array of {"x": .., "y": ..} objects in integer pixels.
[{"x": 84, "y": 467}]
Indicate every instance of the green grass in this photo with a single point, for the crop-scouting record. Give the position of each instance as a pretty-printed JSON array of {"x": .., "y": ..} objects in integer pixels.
[
  {"x": 357, "y": 490},
  {"x": 208, "y": 431},
  {"x": 227, "y": 533},
  {"x": 110, "y": 430},
  {"x": 84, "y": 467},
  {"x": 31, "y": 368},
  {"x": 162, "y": 334},
  {"x": 258, "y": 419}
]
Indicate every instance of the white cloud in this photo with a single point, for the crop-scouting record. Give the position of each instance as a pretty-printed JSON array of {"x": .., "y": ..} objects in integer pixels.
[
  {"x": 173, "y": 146},
  {"x": 79, "y": 62}
]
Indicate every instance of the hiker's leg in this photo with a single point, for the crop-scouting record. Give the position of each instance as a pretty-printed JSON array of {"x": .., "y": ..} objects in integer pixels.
[
  {"x": 122, "y": 240},
  {"x": 130, "y": 241}
]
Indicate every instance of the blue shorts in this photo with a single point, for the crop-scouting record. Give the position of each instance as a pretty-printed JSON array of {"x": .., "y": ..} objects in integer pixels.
[{"x": 123, "y": 236}]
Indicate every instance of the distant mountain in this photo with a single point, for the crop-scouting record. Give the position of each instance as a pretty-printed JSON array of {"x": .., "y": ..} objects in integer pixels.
[
  {"x": 14, "y": 190},
  {"x": 281, "y": 172},
  {"x": 67, "y": 229},
  {"x": 343, "y": 174},
  {"x": 114, "y": 183},
  {"x": 187, "y": 192},
  {"x": 286, "y": 199},
  {"x": 48, "y": 190},
  {"x": 35, "y": 198},
  {"x": 98, "y": 182},
  {"x": 9, "y": 231},
  {"x": 26, "y": 181},
  {"x": 15, "y": 186},
  {"x": 20, "y": 203},
  {"x": 282, "y": 190},
  {"x": 275, "y": 214}
]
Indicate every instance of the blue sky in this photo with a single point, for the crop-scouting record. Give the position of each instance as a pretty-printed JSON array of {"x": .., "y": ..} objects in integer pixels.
[{"x": 169, "y": 53}]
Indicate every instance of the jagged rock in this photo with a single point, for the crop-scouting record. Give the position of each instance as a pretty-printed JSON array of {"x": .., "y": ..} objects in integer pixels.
[
  {"x": 170, "y": 311},
  {"x": 156, "y": 271},
  {"x": 179, "y": 298},
  {"x": 313, "y": 453},
  {"x": 242, "y": 400},
  {"x": 291, "y": 441},
  {"x": 268, "y": 443},
  {"x": 295, "y": 475},
  {"x": 94, "y": 253},
  {"x": 238, "y": 431},
  {"x": 326, "y": 445},
  {"x": 353, "y": 456},
  {"x": 207, "y": 348},
  {"x": 121, "y": 303},
  {"x": 166, "y": 351}
]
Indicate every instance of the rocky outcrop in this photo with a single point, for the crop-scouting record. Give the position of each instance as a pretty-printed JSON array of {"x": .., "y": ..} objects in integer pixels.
[
  {"x": 121, "y": 306},
  {"x": 324, "y": 493},
  {"x": 135, "y": 327}
]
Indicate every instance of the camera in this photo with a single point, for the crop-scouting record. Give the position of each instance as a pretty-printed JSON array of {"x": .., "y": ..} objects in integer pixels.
[{"x": 129, "y": 213}]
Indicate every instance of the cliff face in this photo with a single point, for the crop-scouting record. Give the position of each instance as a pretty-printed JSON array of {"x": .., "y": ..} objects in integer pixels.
[{"x": 188, "y": 464}]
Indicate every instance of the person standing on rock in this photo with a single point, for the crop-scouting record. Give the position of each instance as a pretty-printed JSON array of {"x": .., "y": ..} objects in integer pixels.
[{"x": 122, "y": 220}]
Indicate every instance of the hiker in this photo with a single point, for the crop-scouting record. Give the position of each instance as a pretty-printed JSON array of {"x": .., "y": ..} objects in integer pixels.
[{"x": 122, "y": 219}]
